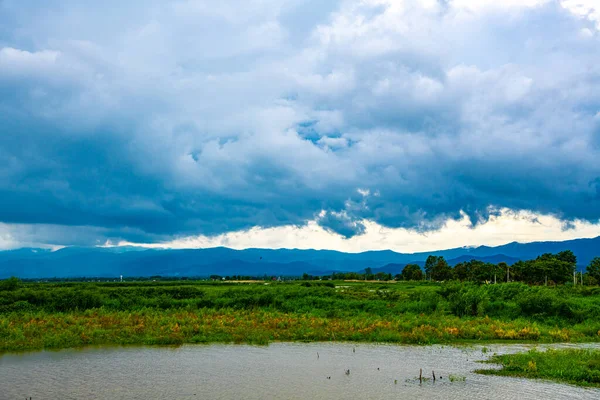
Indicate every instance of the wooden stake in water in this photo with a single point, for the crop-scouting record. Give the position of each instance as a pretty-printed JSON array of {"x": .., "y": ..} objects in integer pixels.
[
  {"x": 433, "y": 373},
  {"x": 421, "y": 375}
]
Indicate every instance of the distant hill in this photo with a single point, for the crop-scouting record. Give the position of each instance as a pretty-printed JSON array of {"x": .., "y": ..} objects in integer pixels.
[{"x": 112, "y": 262}]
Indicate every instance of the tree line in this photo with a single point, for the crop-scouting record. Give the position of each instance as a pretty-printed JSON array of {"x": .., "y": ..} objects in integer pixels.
[{"x": 547, "y": 268}]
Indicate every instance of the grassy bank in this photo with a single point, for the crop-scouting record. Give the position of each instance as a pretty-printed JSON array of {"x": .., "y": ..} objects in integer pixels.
[
  {"x": 61, "y": 315},
  {"x": 578, "y": 367}
]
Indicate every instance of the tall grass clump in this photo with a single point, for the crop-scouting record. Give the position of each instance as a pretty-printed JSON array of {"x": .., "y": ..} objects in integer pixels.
[{"x": 575, "y": 366}]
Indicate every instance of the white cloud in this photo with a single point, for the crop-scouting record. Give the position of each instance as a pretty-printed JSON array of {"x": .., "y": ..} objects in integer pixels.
[
  {"x": 21, "y": 58},
  {"x": 587, "y": 9},
  {"x": 6, "y": 240},
  {"x": 485, "y": 5},
  {"x": 508, "y": 227},
  {"x": 21, "y": 63}
]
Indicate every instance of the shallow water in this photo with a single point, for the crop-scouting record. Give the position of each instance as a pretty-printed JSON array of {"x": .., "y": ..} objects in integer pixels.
[{"x": 279, "y": 371}]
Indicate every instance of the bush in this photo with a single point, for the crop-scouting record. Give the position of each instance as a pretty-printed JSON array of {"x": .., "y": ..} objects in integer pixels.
[
  {"x": 11, "y": 283},
  {"x": 469, "y": 301}
]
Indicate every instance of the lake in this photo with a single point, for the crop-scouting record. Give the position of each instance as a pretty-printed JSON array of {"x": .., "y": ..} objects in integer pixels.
[{"x": 278, "y": 371}]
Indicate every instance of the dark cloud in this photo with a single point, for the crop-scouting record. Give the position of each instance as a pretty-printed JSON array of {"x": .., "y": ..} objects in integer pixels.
[
  {"x": 342, "y": 224},
  {"x": 267, "y": 115}
]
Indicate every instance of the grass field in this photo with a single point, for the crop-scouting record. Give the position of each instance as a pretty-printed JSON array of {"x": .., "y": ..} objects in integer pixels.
[
  {"x": 61, "y": 315},
  {"x": 575, "y": 366}
]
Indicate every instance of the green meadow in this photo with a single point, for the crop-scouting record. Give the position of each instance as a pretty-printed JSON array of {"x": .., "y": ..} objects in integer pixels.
[{"x": 37, "y": 316}]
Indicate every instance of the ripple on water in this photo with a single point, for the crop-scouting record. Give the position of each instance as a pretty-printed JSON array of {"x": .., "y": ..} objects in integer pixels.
[{"x": 279, "y": 371}]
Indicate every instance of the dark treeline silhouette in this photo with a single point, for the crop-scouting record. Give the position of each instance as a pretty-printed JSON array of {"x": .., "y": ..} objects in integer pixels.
[
  {"x": 559, "y": 268},
  {"x": 367, "y": 275},
  {"x": 554, "y": 268}
]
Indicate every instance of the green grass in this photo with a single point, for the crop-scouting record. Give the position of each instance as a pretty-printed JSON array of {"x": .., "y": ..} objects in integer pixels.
[
  {"x": 61, "y": 315},
  {"x": 578, "y": 367},
  {"x": 457, "y": 378}
]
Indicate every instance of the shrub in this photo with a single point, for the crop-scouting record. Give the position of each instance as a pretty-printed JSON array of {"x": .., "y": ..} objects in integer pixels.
[{"x": 11, "y": 283}]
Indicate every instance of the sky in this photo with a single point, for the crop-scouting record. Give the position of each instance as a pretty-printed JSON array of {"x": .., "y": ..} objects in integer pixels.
[{"x": 349, "y": 125}]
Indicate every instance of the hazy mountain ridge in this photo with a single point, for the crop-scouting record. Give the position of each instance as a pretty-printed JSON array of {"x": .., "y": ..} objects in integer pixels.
[{"x": 107, "y": 262}]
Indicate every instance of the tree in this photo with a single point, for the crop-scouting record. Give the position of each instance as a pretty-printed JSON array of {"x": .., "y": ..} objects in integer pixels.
[
  {"x": 430, "y": 264},
  {"x": 480, "y": 271},
  {"x": 441, "y": 271},
  {"x": 381, "y": 276},
  {"x": 412, "y": 272},
  {"x": 561, "y": 271},
  {"x": 567, "y": 256},
  {"x": 462, "y": 271},
  {"x": 557, "y": 268},
  {"x": 503, "y": 268},
  {"x": 593, "y": 269},
  {"x": 11, "y": 283},
  {"x": 368, "y": 273},
  {"x": 589, "y": 280}
]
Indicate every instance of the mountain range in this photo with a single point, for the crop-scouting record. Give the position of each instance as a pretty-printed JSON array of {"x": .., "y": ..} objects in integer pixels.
[{"x": 34, "y": 263}]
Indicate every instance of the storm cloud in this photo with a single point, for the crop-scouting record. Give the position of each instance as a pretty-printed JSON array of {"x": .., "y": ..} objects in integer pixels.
[{"x": 154, "y": 120}]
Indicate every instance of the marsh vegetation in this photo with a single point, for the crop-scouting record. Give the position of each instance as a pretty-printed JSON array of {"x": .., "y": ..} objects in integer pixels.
[
  {"x": 575, "y": 366},
  {"x": 62, "y": 315}
]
